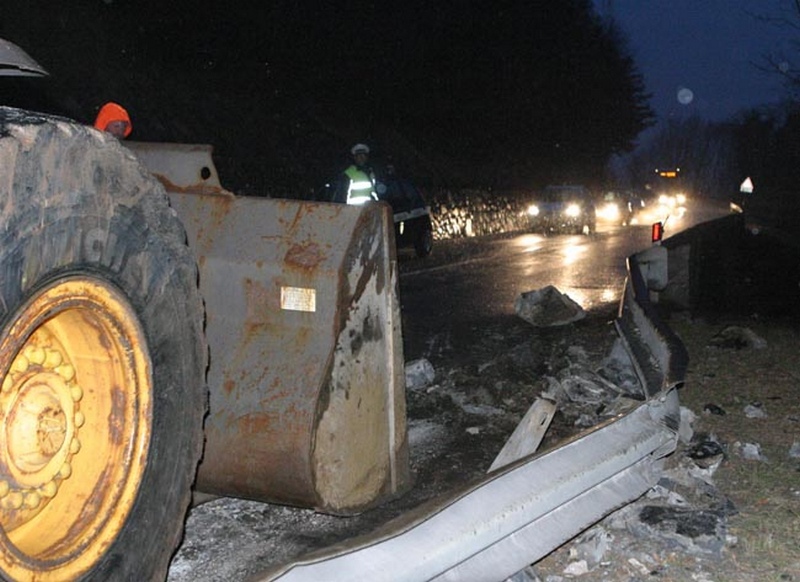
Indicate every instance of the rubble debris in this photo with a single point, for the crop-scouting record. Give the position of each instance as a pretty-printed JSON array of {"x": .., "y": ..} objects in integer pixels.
[
  {"x": 737, "y": 338},
  {"x": 711, "y": 408},
  {"x": 749, "y": 451},
  {"x": 699, "y": 529},
  {"x": 618, "y": 368},
  {"x": 578, "y": 568},
  {"x": 639, "y": 567},
  {"x": 585, "y": 395},
  {"x": 529, "y": 574},
  {"x": 591, "y": 546},
  {"x": 755, "y": 410},
  {"x": 794, "y": 450},
  {"x": 686, "y": 426},
  {"x": 419, "y": 374},
  {"x": 706, "y": 453},
  {"x": 547, "y": 307}
]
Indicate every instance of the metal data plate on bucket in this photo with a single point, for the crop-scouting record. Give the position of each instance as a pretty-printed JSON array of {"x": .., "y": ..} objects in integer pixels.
[{"x": 307, "y": 400}]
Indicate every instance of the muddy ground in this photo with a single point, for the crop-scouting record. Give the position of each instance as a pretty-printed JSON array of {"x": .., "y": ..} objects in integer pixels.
[{"x": 740, "y": 521}]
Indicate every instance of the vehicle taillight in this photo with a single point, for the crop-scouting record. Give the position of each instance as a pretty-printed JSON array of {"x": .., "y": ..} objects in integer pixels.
[{"x": 657, "y": 232}]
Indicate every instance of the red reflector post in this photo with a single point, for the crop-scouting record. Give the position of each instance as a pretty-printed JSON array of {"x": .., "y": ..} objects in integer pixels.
[{"x": 657, "y": 232}]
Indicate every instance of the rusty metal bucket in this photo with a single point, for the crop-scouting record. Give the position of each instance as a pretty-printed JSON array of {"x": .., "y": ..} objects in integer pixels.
[{"x": 307, "y": 402}]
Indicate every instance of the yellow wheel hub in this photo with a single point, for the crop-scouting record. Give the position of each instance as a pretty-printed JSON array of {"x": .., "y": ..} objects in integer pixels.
[{"x": 75, "y": 416}]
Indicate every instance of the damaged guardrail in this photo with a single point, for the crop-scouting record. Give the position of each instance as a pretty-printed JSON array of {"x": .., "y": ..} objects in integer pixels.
[{"x": 521, "y": 512}]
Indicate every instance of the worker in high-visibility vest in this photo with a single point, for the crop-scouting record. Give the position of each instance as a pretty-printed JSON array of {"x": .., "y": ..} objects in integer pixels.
[{"x": 357, "y": 183}]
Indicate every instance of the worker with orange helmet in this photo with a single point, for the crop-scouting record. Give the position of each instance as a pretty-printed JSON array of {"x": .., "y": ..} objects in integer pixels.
[{"x": 113, "y": 119}]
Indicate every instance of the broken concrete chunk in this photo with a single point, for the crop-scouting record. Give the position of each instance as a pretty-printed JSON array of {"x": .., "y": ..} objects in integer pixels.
[
  {"x": 548, "y": 307},
  {"x": 618, "y": 369},
  {"x": 712, "y": 408},
  {"x": 755, "y": 410},
  {"x": 581, "y": 384},
  {"x": 706, "y": 455},
  {"x": 686, "y": 427},
  {"x": 695, "y": 530},
  {"x": 794, "y": 451},
  {"x": 591, "y": 546},
  {"x": 749, "y": 451},
  {"x": 578, "y": 568},
  {"x": 419, "y": 374},
  {"x": 737, "y": 338}
]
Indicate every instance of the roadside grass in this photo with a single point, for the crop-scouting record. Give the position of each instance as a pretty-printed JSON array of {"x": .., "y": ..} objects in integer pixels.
[{"x": 766, "y": 493}]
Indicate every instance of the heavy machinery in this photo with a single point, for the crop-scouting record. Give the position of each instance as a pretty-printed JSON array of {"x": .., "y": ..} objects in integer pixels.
[
  {"x": 156, "y": 329},
  {"x": 120, "y": 305}
]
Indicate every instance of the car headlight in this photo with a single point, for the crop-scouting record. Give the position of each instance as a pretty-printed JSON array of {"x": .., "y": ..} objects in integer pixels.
[
  {"x": 533, "y": 210},
  {"x": 609, "y": 211},
  {"x": 680, "y": 198},
  {"x": 572, "y": 210}
]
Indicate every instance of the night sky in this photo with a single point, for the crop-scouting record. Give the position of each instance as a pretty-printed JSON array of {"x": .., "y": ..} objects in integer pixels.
[
  {"x": 283, "y": 89},
  {"x": 713, "y": 48}
]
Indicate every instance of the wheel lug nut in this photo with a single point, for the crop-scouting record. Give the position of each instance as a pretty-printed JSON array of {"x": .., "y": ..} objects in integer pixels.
[
  {"x": 20, "y": 364},
  {"x": 53, "y": 358},
  {"x": 79, "y": 419},
  {"x": 74, "y": 446},
  {"x": 49, "y": 489},
  {"x": 32, "y": 500},
  {"x": 13, "y": 500},
  {"x": 35, "y": 355},
  {"x": 65, "y": 471},
  {"x": 66, "y": 371},
  {"x": 76, "y": 392}
]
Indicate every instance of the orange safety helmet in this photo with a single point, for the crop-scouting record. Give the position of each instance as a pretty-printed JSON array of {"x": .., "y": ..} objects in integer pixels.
[{"x": 111, "y": 112}]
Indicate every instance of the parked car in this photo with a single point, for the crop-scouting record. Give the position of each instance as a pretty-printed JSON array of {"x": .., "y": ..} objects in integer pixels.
[
  {"x": 412, "y": 215},
  {"x": 563, "y": 209}
]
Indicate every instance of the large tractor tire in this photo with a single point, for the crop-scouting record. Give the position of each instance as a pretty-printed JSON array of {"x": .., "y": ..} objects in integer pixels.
[{"x": 102, "y": 358}]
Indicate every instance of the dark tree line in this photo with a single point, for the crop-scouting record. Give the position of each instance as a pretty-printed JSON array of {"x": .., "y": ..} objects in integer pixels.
[{"x": 504, "y": 94}]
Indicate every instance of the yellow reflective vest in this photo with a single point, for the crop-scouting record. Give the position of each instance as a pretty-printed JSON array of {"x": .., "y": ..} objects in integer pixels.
[{"x": 361, "y": 187}]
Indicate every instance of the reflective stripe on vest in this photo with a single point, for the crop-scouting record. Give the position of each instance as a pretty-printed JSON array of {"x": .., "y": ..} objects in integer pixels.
[{"x": 360, "y": 188}]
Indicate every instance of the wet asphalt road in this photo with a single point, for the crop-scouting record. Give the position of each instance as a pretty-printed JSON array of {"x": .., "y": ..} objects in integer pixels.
[{"x": 451, "y": 296}]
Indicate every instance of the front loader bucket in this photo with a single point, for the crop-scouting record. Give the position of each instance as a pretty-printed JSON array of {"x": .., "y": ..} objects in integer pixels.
[{"x": 307, "y": 401}]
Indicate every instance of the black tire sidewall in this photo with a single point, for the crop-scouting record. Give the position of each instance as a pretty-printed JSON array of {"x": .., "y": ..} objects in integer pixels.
[{"x": 81, "y": 204}]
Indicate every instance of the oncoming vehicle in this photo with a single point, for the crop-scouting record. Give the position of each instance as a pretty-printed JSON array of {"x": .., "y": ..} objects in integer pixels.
[
  {"x": 618, "y": 207},
  {"x": 563, "y": 209},
  {"x": 672, "y": 204},
  {"x": 671, "y": 196}
]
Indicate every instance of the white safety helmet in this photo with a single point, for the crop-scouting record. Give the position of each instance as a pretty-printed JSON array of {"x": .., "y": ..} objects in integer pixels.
[{"x": 360, "y": 148}]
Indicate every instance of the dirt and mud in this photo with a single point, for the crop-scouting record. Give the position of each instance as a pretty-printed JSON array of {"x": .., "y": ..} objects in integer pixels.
[{"x": 728, "y": 506}]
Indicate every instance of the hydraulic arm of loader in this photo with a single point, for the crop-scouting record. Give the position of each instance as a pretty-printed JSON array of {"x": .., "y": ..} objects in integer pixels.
[{"x": 307, "y": 403}]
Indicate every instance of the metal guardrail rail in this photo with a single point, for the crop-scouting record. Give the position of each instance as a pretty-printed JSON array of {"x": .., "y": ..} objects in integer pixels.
[{"x": 518, "y": 514}]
